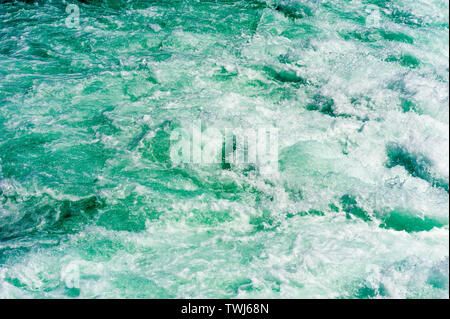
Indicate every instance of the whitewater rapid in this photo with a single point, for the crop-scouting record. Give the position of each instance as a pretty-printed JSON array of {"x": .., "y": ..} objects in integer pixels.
[{"x": 91, "y": 205}]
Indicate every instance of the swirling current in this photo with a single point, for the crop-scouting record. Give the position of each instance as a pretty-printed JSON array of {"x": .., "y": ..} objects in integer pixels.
[{"x": 92, "y": 205}]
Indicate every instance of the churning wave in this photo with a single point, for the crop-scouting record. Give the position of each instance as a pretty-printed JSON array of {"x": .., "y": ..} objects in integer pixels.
[{"x": 91, "y": 205}]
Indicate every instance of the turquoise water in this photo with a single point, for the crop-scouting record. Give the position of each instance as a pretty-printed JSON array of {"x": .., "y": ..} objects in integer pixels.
[{"x": 92, "y": 207}]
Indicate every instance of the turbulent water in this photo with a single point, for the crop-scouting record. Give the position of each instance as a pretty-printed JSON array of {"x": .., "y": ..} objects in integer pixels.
[{"x": 92, "y": 206}]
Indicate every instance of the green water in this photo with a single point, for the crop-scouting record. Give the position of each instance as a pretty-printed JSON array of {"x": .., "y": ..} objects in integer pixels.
[{"x": 359, "y": 209}]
